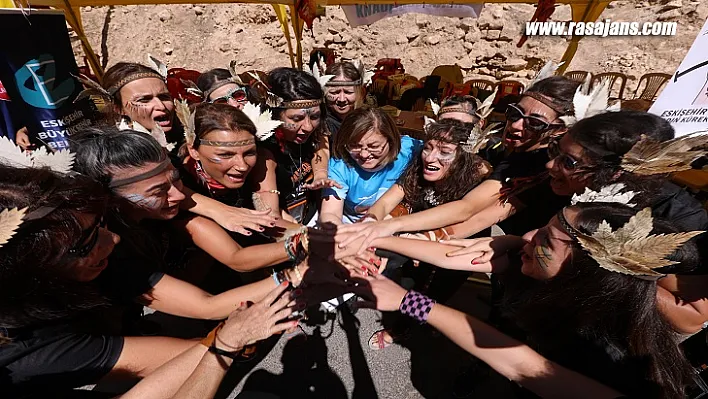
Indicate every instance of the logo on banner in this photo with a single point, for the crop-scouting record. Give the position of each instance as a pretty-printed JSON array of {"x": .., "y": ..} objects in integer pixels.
[
  {"x": 3, "y": 93},
  {"x": 38, "y": 85}
]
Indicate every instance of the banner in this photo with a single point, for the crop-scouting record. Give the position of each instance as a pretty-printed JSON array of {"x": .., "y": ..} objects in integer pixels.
[
  {"x": 684, "y": 101},
  {"x": 361, "y": 14},
  {"x": 6, "y": 127},
  {"x": 36, "y": 67}
]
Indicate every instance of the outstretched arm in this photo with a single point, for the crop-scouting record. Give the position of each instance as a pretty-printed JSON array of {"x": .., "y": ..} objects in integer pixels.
[
  {"x": 264, "y": 182},
  {"x": 384, "y": 205},
  {"x": 210, "y": 237}
]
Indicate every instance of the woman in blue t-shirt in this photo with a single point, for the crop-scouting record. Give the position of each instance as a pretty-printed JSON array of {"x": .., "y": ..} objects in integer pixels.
[{"x": 368, "y": 157}]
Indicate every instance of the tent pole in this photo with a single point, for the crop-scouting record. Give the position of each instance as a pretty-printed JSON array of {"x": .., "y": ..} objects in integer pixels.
[
  {"x": 295, "y": 18},
  {"x": 283, "y": 18},
  {"x": 73, "y": 17},
  {"x": 590, "y": 12}
]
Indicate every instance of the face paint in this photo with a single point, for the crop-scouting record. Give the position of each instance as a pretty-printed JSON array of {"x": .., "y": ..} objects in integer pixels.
[
  {"x": 290, "y": 126},
  {"x": 151, "y": 203},
  {"x": 543, "y": 255}
]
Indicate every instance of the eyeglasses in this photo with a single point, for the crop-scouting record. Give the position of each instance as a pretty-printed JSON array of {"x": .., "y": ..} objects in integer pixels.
[
  {"x": 82, "y": 251},
  {"x": 566, "y": 161},
  {"x": 376, "y": 149},
  {"x": 237, "y": 94},
  {"x": 531, "y": 123}
]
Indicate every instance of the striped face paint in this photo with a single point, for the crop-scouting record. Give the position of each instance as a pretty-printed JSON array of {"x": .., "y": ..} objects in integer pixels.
[
  {"x": 151, "y": 203},
  {"x": 543, "y": 254}
]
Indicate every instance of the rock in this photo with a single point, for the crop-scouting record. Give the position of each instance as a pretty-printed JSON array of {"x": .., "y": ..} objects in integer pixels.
[
  {"x": 433, "y": 39},
  {"x": 669, "y": 15},
  {"x": 514, "y": 64},
  {"x": 164, "y": 15},
  {"x": 198, "y": 10},
  {"x": 530, "y": 75},
  {"x": 505, "y": 38},
  {"x": 671, "y": 5},
  {"x": 168, "y": 50},
  {"x": 412, "y": 36},
  {"x": 492, "y": 34},
  {"x": 401, "y": 39},
  {"x": 466, "y": 23},
  {"x": 473, "y": 36},
  {"x": 225, "y": 47},
  {"x": 459, "y": 34},
  {"x": 349, "y": 46},
  {"x": 238, "y": 29},
  {"x": 332, "y": 31},
  {"x": 468, "y": 46},
  {"x": 422, "y": 21}
]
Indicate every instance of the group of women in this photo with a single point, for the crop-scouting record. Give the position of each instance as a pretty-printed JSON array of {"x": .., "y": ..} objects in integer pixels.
[{"x": 290, "y": 181}]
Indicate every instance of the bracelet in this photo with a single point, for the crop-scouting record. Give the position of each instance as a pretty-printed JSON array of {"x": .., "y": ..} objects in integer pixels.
[
  {"x": 269, "y": 191},
  {"x": 279, "y": 277},
  {"x": 417, "y": 306},
  {"x": 298, "y": 275},
  {"x": 231, "y": 355},
  {"x": 291, "y": 247},
  {"x": 209, "y": 340}
]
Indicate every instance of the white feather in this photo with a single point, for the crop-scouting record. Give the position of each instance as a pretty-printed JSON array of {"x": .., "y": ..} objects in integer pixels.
[
  {"x": 60, "y": 161},
  {"x": 610, "y": 193},
  {"x": 546, "y": 71},
  {"x": 158, "y": 134},
  {"x": 123, "y": 125},
  {"x": 138, "y": 127},
  {"x": 13, "y": 155},
  {"x": 434, "y": 106},
  {"x": 427, "y": 121},
  {"x": 263, "y": 121},
  {"x": 159, "y": 66},
  {"x": 170, "y": 146}
]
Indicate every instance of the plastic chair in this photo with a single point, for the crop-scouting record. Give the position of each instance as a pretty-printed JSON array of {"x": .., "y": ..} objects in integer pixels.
[
  {"x": 482, "y": 84},
  {"x": 448, "y": 74},
  {"x": 653, "y": 83},
  {"x": 578, "y": 76},
  {"x": 456, "y": 90},
  {"x": 613, "y": 77},
  {"x": 508, "y": 88}
]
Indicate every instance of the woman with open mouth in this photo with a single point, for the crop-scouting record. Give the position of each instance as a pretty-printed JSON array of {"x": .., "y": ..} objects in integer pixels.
[
  {"x": 344, "y": 93},
  {"x": 292, "y": 164},
  {"x": 142, "y": 99}
]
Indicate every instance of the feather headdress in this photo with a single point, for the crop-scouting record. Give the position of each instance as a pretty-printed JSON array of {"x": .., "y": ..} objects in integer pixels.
[
  {"x": 650, "y": 157},
  {"x": 263, "y": 121},
  {"x": 484, "y": 108},
  {"x": 631, "y": 249},
  {"x": 588, "y": 102},
  {"x": 366, "y": 76},
  {"x": 157, "y": 65},
  {"x": 479, "y": 137},
  {"x": 434, "y": 106},
  {"x": 12, "y": 155},
  {"x": 318, "y": 71},
  {"x": 192, "y": 88},
  {"x": 272, "y": 99},
  {"x": 92, "y": 88},
  {"x": 186, "y": 116},
  {"x": 611, "y": 193},
  {"x": 546, "y": 71},
  {"x": 10, "y": 221},
  {"x": 156, "y": 132}
]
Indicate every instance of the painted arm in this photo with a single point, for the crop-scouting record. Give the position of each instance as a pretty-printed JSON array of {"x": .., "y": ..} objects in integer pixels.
[
  {"x": 682, "y": 301},
  {"x": 384, "y": 205},
  {"x": 320, "y": 160},
  {"x": 264, "y": 182},
  {"x": 229, "y": 217},
  {"x": 210, "y": 237}
]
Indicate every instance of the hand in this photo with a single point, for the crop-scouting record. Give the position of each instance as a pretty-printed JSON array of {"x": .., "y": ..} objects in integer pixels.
[
  {"x": 486, "y": 248},
  {"x": 239, "y": 219},
  {"x": 22, "y": 139},
  {"x": 248, "y": 325},
  {"x": 369, "y": 232},
  {"x": 325, "y": 243},
  {"x": 380, "y": 293},
  {"x": 321, "y": 183}
]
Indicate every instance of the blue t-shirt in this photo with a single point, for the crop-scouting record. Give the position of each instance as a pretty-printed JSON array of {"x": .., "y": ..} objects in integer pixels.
[{"x": 360, "y": 189}]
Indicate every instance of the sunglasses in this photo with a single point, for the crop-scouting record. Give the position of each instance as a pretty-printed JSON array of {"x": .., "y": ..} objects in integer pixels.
[
  {"x": 566, "y": 161},
  {"x": 90, "y": 237},
  {"x": 238, "y": 95},
  {"x": 531, "y": 123}
]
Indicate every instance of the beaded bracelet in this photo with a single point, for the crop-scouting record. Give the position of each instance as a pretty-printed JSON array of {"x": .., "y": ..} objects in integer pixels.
[{"x": 417, "y": 306}]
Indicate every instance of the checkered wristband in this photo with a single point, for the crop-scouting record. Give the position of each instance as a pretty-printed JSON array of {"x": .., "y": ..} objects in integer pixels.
[{"x": 417, "y": 306}]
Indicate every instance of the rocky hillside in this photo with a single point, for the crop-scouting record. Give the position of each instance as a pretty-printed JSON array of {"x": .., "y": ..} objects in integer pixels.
[{"x": 207, "y": 36}]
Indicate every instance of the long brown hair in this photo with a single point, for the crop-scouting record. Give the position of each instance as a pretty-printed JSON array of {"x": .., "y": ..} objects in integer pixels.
[{"x": 465, "y": 173}]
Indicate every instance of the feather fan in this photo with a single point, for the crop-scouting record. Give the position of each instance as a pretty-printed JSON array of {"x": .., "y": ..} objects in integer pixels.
[
  {"x": 10, "y": 221},
  {"x": 485, "y": 108},
  {"x": 478, "y": 137},
  {"x": 187, "y": 118},
  {"x": 650, "y": 157}
]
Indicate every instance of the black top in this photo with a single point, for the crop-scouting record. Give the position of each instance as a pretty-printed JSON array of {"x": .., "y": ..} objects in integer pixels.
[
  {"x": 294, "y": 169},
  {"x": 520, "y": 164},
  {"x": 333, "y": 124}
]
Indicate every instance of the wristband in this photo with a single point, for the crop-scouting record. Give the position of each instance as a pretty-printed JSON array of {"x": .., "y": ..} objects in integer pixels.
[
  {"x": 209, "y": 340},
  {"x": 231, "y": 355},
  {"x": 417, "y": 306}
]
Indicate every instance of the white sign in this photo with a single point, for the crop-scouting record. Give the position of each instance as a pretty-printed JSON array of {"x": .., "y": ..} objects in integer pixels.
[
  {"x": 361, "y": 14},
  {"x": 684, "y": 101}
]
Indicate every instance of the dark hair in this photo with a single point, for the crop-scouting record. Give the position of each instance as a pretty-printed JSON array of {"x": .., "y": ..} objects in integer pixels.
[
  {"x": 466, "y": 171},
  {"x": 467, "y": 103},
  {"x": 345, "y": 69},
  {"x": 118, "y": 72},
  {"x": 210, "y": 117},
  {"x": 598, "y": 306},
  {"x": 208, "y": 81},
  {"x": 360, "y": 122},
  {"x": 606, "y": 137},
  {"x": 34, "y": 286},
  {"x": 99, "y": 151},
  {"x": 290, "y": 85},
  {"x": 559, "y": 89}
]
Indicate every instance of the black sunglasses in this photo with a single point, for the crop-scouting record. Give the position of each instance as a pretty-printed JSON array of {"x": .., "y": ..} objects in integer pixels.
[
  {"x": 81, "y": 251},
  {"x": 566, "y": 161},
  {"x": 531, "y": 123}
]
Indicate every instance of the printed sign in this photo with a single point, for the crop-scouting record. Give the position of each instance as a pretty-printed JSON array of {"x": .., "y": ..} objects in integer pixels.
[
  {"x": 684, "y": 101},
  {"x": 36, "y": 67},
  {"x": 361, "y": 14}
]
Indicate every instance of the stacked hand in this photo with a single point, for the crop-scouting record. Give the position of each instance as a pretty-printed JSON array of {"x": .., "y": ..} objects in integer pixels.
[
  {"x": 486, "y": 248},
  {"x": 250, "y": 324},
  {"x": 239, "y": 220},
  {"x": 327, "y": 242},
  {"x": 321, "y": 183},
  {"x": 366, "y": 232}
]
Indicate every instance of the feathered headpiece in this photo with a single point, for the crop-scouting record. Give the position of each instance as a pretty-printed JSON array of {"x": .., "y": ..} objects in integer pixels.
[
  {"x": 610, "y": 193},
  {"x": 650, "y": 157},
  {"x": 484, "y": 108},
  {"x": 588, "y": 102},
  {"x": 364, "y": 75},
  {"x": 10, "y": 221},
  {"x": 272, "y": 99},
  {"x": 186, "y": 116},
  {"x": 631, "y": 249},
  {"x": 193, "y": 89},
  {"x": 479, "y": 137},
  {"x": 156, "y": 132},
  {"x": 263, "y": 121},
  {"x": 157, "y": 65},
  {"x": 12, "y": 155},
  {"x": 545, "y": 72},
  {"x": 318, "y": 71}
]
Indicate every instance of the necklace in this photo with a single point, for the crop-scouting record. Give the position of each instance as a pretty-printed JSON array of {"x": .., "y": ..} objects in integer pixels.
[{"x": 430, "y": 197}]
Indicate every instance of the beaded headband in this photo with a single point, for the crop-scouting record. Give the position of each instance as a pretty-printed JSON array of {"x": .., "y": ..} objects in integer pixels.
[
  {"x": 146, "y": 175},
  {"x": 561, "y": 109},
  {"x": 300, "y": 104},
  {"x": 133, "y": 76},
  {"x": 239, "y": 143},
  {"x": 340, "y": 83}
]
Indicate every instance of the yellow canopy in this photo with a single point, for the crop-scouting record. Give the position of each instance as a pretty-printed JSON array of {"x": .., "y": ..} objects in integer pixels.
[{"x": 582, "y": 11}]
